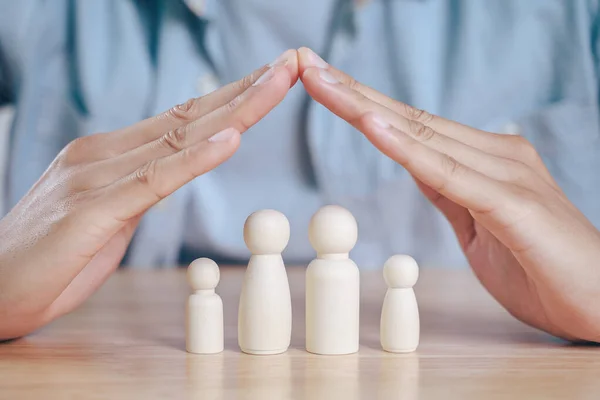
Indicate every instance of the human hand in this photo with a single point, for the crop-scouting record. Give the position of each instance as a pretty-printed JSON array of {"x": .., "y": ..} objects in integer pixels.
[
  {"x": 67, "y": 235},
  {"x": 526, "y": 242}
]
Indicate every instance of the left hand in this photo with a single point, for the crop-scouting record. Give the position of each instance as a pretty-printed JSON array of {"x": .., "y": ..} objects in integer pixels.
[
  {"x": 526, "y": 242},
  {"x": 70, "y": 231}
]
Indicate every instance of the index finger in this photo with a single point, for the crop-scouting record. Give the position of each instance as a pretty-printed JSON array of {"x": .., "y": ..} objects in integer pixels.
[
  {"x": 150, "y": 129},
  {"x": 486, "y": 141}
]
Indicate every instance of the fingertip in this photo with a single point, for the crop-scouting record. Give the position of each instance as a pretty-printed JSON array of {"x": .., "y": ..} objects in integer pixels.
[
  {"x": 380, "y": 133},
  {"x": 318, "y": 83},
  {"x": 225, "y": 136},
  {"x": 218, "y": 147},
  {"x": 307, "y": 58},
  {"x": 375, "y": 120},
  {"x": 302, "y": 60},
  {"x": 284, "y": 76},
  {"x": 292, "y": 65},
  {"x": 232, "y": 146},
  {"x": 236, "y": 139},
  {"x": 277, "y": 76},
  {"x": 289, "y": 60},
  {"x": 310, "y": 75}
]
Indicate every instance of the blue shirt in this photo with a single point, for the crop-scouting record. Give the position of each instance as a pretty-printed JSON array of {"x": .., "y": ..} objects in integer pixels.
[
  {"x": 270, "y": 170},
  {"x": 73, "y": 68}
]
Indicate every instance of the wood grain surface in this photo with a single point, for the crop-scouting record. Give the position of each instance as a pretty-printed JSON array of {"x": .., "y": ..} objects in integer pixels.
[{"x": 128, "y": 341}]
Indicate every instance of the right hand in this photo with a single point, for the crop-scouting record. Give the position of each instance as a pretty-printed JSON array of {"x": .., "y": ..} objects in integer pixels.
[
  {"x": 70, "y": 232},
  {"x": 532, "y": 249}
]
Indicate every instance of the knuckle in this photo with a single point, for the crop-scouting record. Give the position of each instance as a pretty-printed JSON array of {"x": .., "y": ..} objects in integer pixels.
[
  {"x": 234, "y": 103},
  {"x": 243, "y": 120},
  {"x": 74, "y": 152},
  {"x": 514, "y": 171},
  {"x": 247, "y": 81},
  {"x": 79, "y": 179},
  {"x": 361, "y": 102},
  {"x": 527, "y": 175},
  {"x": 146, "y": 174},
  {"x": 75, "y": 146},
  {"x": 451, "y": 169},
  {"x": 244, "y": 124},
  {"x": 174, "y": 140},
  {"x": 530, "y": 153},
  {"x": 192, "y": 159},
  {"x": 520, "y": 203},
  {"x": 420, "y": 131},
  {"x": 79, "y": 199},
  {"x": 183, "y": 112},
  {"x": 526, "y": 151},
  {"x": 417, "y": 114},
  {"x": 353, "y": 84}
]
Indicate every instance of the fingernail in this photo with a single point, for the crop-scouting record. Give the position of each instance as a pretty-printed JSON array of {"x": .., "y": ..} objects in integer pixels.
[
  {"x": 281, "y": 60},
  {"x": 327, "y": 77},
  {"x": 383, "y": 129},
  {"x": 380, "y": 121},
  {"x": 264, "y": 77},
  {"x": 314, "y": 59},
  {"x": 223, "y": 136}
]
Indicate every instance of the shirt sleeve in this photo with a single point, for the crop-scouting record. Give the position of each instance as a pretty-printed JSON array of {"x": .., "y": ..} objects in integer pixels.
[{"x": 14, "y": 23}]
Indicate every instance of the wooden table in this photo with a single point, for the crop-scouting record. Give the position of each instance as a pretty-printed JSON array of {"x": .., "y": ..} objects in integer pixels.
[{"x": 127, "y": 341}]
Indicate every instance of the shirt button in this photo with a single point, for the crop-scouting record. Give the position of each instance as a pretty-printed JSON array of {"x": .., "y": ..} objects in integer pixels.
[
  {"x": 511, "y": 128},
  {"x": 197, "y": 6},
  {"x": 206, "y": 84}
]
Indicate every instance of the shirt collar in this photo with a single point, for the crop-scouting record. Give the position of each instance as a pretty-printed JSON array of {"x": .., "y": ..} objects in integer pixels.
[{"x": 207, "y": 9}]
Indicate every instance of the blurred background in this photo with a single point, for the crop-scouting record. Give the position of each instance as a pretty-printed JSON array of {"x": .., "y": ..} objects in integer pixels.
[
  {"x": 74, "y": 68},
  {"x": 6, "y": 114}
]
